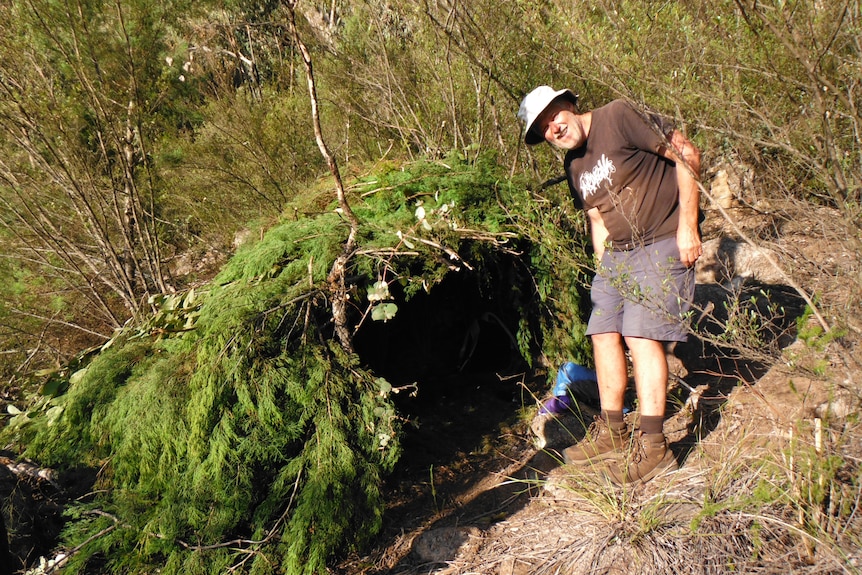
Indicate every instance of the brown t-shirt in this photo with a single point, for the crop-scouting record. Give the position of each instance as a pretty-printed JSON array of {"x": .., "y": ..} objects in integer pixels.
[{"x": 619, "y": 171}]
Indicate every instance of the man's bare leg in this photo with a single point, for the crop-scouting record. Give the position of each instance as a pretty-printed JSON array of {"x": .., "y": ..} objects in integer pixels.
[
  {"x": 650, "y": 455},
  {"x": 650, "y": 371},
  {"x": 608, "y": 437},
  {"x": 611, "y": 370}
]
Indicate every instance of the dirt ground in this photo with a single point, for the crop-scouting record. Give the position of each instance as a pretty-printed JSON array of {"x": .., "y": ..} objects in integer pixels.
[{"x": 476, "y": 495}]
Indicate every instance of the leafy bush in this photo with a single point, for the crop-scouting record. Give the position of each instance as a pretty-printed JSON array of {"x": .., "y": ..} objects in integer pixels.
[{"x": 231, "y": 431}]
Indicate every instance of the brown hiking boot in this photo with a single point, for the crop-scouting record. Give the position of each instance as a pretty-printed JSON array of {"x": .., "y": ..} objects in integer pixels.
[
  {"x": 600, "y": 443},
  {"x": 649, "y": 458}
]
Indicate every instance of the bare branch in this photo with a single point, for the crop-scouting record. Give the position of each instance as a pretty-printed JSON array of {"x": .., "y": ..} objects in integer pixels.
[{"x": 336, "y": 278}]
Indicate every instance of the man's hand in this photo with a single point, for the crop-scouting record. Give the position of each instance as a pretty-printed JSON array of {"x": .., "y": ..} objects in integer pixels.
[{"x": 690, "y": 247}]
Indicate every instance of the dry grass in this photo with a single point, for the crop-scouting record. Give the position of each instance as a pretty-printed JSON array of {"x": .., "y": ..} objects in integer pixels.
[{"x": 733, "y": 507}]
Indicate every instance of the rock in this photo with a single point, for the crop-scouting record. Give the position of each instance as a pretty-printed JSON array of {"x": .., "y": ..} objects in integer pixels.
[
  {"x": 675, "y": 366},
  {"x": 720, "y": 190},
  {"x": 444, "y": 544},
  {"x": 842, "y": 406},
  {"x": 727, "y": 261},
  {"x": 731, "y": 184},
  {"x": 559, "y": 430}
]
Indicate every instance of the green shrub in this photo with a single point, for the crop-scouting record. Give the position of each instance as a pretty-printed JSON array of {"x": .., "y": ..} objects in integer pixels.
[{"x": 231, "y": 431}]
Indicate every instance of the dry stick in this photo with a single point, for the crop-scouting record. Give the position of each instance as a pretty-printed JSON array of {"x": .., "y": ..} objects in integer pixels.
[
  {"x": 453, "y": 255},
  {"x": 62, "y": 562},
  {"x": 54, "y": 320},
  {"x": 819, "y": 520},
  {"x": 337, "y": 272},
  {"x": 269, "y": 535}
]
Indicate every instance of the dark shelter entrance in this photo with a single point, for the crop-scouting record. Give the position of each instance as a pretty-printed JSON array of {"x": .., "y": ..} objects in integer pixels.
[
  {"x": 454, "y": 353},
  {"x": 462, "y": 325}
]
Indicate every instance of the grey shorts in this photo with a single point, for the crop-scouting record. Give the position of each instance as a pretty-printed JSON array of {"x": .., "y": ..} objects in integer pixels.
[{"x": 644, "y": 292}]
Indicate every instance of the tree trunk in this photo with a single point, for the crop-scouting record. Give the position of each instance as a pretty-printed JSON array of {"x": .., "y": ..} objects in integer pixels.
[{"x": 336, "y": 281}]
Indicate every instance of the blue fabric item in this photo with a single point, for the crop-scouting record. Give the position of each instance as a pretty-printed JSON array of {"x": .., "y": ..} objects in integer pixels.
[
  {"x": 570, "y": 373},
  {"x": 578, "y": 382}
]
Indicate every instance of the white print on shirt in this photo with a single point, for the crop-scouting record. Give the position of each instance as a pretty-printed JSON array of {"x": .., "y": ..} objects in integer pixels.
[{"x": 590, "y": 182}]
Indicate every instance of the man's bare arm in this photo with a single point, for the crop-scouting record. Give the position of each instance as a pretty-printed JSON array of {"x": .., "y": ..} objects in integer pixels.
[
  {"x": 598, "y": 232},
  {"x": 687, "y": 159}
]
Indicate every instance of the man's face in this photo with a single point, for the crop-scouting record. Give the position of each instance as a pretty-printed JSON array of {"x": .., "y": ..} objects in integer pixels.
[{"x": 559, "y": 125}]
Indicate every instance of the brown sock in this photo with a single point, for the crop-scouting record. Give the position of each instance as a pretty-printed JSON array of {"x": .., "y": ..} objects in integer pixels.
[
  {"x": 651, "y": 423},
  {"x": 614, "y": 419}
]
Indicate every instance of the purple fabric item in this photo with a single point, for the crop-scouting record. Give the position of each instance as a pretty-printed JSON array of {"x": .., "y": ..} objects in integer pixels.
[{"x": 558, "y": 404}]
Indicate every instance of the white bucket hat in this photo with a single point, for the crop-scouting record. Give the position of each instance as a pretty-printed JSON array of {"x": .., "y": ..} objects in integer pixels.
[{"x": 535, "y": 103}]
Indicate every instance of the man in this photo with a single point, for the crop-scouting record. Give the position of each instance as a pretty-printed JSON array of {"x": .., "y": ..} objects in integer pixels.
[{"x": 636, "y": 177}]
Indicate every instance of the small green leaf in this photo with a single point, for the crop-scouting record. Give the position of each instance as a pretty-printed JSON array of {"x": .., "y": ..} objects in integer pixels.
[
  {"x": 190, "y": 320},
  {"x": 77, "y": 376},
  {"x": 384, "y": 312},
  {"x": 12, "y": 410},
  {"x": 407, "y": 242},
  {"x": 379, "y": 291},
  {"x": 53, "y": 414},
  {"x": 53, "y": 387},
  {"x": 384, "y": 386}
]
